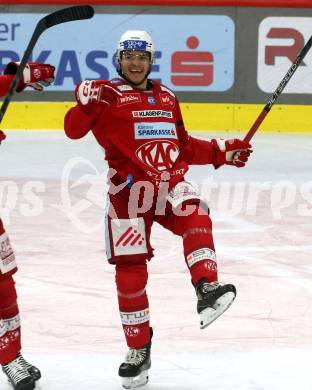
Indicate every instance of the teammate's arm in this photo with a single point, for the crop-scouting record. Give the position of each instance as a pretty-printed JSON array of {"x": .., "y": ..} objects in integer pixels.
[{"x": 35, "y": 75}]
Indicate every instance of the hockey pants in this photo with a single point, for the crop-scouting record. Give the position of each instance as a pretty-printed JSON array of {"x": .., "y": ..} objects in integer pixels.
[{"x": 128, "y": 247}]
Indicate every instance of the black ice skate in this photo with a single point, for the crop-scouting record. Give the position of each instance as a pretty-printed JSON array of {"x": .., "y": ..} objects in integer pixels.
[
  {"x": 19, "y": 378},
  {"x": 213, "y": 300},
  {"x": 134, "y": 371},
  {"x": 32, "y": 370}
]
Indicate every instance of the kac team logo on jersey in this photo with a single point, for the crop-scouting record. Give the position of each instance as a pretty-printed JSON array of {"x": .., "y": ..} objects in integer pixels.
[{"x": 159, "y": 155}]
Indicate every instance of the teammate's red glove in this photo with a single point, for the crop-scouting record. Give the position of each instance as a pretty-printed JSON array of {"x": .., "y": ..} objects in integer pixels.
[
  {"x": 2, "y": 136},
  {"x": 96, "y": 91},
  {"x": 35, "y": 75},
  {"x": 231, "y": 152}
]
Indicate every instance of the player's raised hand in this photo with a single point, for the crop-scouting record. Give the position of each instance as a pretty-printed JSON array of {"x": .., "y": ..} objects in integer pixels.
[
  {"x": 96, "y": 91},
  {"x": 232, "y": 151},
  {"x": 35, "y": 75}
]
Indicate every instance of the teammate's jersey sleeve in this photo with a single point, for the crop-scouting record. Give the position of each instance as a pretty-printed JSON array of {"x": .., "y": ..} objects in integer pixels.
[
  {"x": 195, "y": 151},
  {"x": 5, "y": 82}
]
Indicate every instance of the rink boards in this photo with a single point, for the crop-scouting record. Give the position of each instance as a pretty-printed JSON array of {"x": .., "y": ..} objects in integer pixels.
[
  {"x": 197, "y": 116},
  {"x": 223, "y": 62}
]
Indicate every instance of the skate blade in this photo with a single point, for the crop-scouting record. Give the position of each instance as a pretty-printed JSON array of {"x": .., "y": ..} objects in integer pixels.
[
  {"x": 207, "y": 316},
  {"x": 29, "y": 386},
  {"x": 137, "y": 381}
]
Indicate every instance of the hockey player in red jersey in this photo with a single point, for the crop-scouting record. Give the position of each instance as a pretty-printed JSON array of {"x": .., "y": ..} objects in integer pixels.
[
  {"x": 21, "y": 374},
  {"x": 139, "y": 124}
]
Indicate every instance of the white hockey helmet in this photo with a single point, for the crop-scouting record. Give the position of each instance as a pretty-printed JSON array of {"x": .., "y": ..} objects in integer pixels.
[{"x": 135, "y": 40}]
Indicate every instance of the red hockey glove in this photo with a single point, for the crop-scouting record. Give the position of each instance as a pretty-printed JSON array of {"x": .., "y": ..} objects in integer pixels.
[
  {"x": 231, "y": 152},
  {"x": 35, "y": 75},
  {"x": 96, "y": 91},
  {"x": 2, "y": 136}
]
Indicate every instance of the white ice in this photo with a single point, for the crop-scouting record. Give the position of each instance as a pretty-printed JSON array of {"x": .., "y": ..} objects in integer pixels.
[{"x": 71, "y": 327}]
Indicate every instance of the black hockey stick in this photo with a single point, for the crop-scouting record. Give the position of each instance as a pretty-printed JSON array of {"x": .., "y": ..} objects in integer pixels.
[
  {"x": 65, "y": 15},
  {"x": 273, "y": 98}
]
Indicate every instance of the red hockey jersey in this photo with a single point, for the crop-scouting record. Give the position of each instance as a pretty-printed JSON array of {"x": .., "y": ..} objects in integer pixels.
[
  {"x": 5, "y": 82},
  {"x": 142, "y": 133}
]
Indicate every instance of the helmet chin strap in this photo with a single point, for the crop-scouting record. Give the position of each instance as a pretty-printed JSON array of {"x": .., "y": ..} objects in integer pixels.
[{"x": 119, "y": 71}]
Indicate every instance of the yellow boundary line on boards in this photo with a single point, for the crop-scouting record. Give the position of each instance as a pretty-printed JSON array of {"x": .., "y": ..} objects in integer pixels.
[{"x": 197, "y": 116}]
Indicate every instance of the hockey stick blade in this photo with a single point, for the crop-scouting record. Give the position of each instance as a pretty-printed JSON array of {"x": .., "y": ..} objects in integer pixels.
[
  {"x": 68, "y": 15},
  {"x": 64, "y": 15}
]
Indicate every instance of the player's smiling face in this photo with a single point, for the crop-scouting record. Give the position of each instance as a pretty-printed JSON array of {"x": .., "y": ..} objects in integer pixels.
[{"x": 135, "y": 65}]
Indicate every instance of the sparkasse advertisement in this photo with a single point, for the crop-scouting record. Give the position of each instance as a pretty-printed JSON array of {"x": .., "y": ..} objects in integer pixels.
[{"x": 194, "y": 54}]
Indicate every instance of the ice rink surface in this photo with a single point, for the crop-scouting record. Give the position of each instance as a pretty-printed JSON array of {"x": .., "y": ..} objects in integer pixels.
[{"x": 52, "y": 202}]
